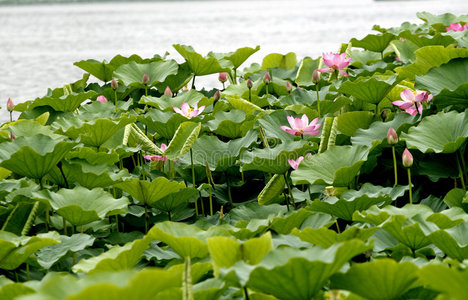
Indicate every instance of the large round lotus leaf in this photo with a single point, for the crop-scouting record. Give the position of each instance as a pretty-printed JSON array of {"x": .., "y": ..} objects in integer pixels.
[
  {"x": 14, "y": 250},
  {"x": 166, "y": 103},
  {"x": 66, "y": 103},
  {"x": 198, "y": 64},
  {"x": 183, "y": 140},
  {"x": 376, "y": 216},
  {"x": 368, "y": 90},
  {"x": 236, "y": 58},
  {"x": 164, "y": 123},
  {"x": 373, "y": 42},
  {"x": 452, "y": 241},
  {"x": 274, "y": 160},
  {"x": 440, "y": 133},
  {"x": 337, "y": 166},
  {"x": 171, "y": 201},
  {"x": 49, "y": 255},
  {"x": 288, "y": 273},
  {"x": 229, "y": 124},
  {"x": 25, "y": 127},
  {"x": 445, "y": 19},
  {"x": 350, "y": 201},
  {"x": 33, "y": 156},
  {"x": 383, "y": 279},
  {"x": 305, "y": 71},
  {"x": 10, "y": 290},
  {"x": 429, "y": 57},
  {"x": 176, "y": 81},
  {"x": 351, "y": 121},
  {"x": 115, "y": 259},
  {"x": 448, "y": 76},
  {"x": 93, "y": 157},
  {"x": 326, "y": 238},
  {"x": 93, "y": 133},
  {"x": 91, "y": 176},
  {"x": 147, "y": 192},
  {"x": 451, "y": 282},
  {"x": 186, "y": 240},
  {"x": 419, "y": 40},
  {"x": 276, "y": 60},
  {"x": 131, "y": 74},
  {"x": 219, "y": 155},
  {"x": 81, "y": 206},
  {"x": 454, "y": 98}
]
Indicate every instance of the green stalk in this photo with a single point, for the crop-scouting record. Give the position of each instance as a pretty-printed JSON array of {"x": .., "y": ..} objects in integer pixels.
[
  {"x": 171, "y": 169},
  {"x": 395, "y": 165},
  {"x": 266, "y": 91},
  {"x": 146, "y": 218},
  {"x": 193, "y": 179},
  {"x": 250, "y": 95},
  {"x": 235, "y": 77},
  {"x": 59, "y": 165},
  {"x": 228, "y": 187},
  {"x": 460, "y": 172},
  {"x": 211, "y": 201},
  {"x": 246, "y": 293},
  {"x": 115, "y": 99},
  {"x": 289, "y": 191},
  {"x": 64, "y": 226},
  {"x": 318, "y": 99},
  {"x": 187, "y": 284},
  {"x": 463, "y": 165},
  {"x": 410, "y": 187},
  {"x": 146, "y": 90},
  {"x": 11, "y": 116},
  {"x": 193, "y": 82},
  {"x": 47, "y": 207},
  {"x": 169, "y": 215},
  {"x": 337, "y": 226},
  {"x": 27, "y": 272}
]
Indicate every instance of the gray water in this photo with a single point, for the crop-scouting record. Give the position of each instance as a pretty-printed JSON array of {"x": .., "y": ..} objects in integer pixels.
[{"x": 40, "y": 43}]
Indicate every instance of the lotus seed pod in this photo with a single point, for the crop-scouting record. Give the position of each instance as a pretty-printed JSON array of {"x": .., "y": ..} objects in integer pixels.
[
  {"x": 267, "y": 78},
  {"x": 101, "y": 99},
  {"x": 392, "y": 136},
  {"x": 168, "y": 91},
  {"x": 315, "y": 76},
  {"x": 249, "y": 83},
  {"x": 114, "y": 84},
  {"x": 216, "y": 96},
  {"x": 223, "y": 77},
  {"x": 288, "y": 86},
  {"x": 145, "y": 79},
  {"x": 407, "y": 158},
  {"x": 10, "y": 105}
]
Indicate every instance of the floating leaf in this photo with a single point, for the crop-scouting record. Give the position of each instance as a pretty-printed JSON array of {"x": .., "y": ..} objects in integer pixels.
[{"x": 131, "y": 74}]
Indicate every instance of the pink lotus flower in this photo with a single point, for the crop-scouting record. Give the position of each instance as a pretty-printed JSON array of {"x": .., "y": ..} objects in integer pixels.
[
  {"x": 145, "y": 79},
  {"x": 295, "y": 163},
  {"x": 101, "y": 99},
  {"x": 392, "y": 136},
  {"x": 456, "y": 27},
  {"x": 336, "y": 62},
  {"x": 157, "y": 157},
  {"x": 168, "y": 91},
  {"x": 407, "y": 158},
  {"x": 10, "y": 105},
  {"x": 288, "y": 86},
  {"x": 223, "y": 77},
  {"x": 114, "y": 84},
  {"x": 301, "y": 126},
  {"x": 411, "y": 101},
  {"x": 188, "y": 112},
  {"x": 267, "y": 78}
]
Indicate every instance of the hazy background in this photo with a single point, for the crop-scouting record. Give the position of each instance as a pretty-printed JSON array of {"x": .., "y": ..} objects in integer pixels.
[{"x": 39, "y": 43}]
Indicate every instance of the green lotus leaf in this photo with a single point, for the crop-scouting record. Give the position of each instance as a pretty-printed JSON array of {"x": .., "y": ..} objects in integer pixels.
[
  {"x": 117, "y": 258},
  {"x": 439, "y": 133},
  {"x": 377, "y": 131},
  {"x": 242, "y": 104},
  {"x": 305, "y": 71},
  {"x": 254, "y": 210},
  {"x": 373, "y": 42},
  {"x": 81, "y": 206},
  {"x": 166, "y": 103},
  {"x": 134, "y": 136},
  {"x": 272, "y": 190},
  {"x": 350, "y": 201},
  {"x": 131, "y": 74},
  {"x": 219, "y": 155},
  {"x": 93, "y": 157},
  {"x": 430, "y": 57},
  {"x": 14, "y": 250},
  {"x": 91, "y": 176},
  {"x": 300, "y": 97},
  {"x": 10, "y": 290},
  {"x": 376, "y": 216},
  {"x": 448, "y": 76},
  {"x": 455, "y": 99},
  {"x": 65, "y": 103},
  {"x": 452, "y": 241},
  {"x": 33, "y": 156},
  {"x": 326, "y": 238},
  {"x": 173, "y": 200},
  {"x": 445, "y": 19},
  {"x": 271, "y": 122},
  {"x": 236, "y": 58},
  {"x": 457, "y": 198},
  {"x": 93, "y": 133},
  {"x": 351, "y": 121},
  {"x": 198, "y": 64},
  {"x": 301, "y": 274},
  {"x": 404, "y": 50},
  {"x": 451, "y": 282},
  {"x": 229, "y": 124},
  {"x": 285, "y": 224},
  {"x": 49, "y": 255},
  {"x": 212, "y": 288},
  {"x": 378, "y": 279},
  {"x": 164, "y": 123},
  {"x": 28, "y": 128},
  {"x": 368, "y": 90},
  {"x": 337, "y": 166},
  {"x": 274, "y": 160},
  {"x": 186, "y": 240},
  {"x": 183, "y": 140},
  {"x": 276, "y": 60},
  {"x": 147, "y": 192},
  {"x": 176, "y": 81},
  {"x": 448, "y": 218},
  {"x": 225, "y": 251}
]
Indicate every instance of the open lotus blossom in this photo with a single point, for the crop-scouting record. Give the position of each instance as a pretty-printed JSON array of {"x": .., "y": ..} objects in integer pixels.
[
  {"x": 157, "y": 157},
  {"x": 456, "y": 27},
  {"x": 411, "y": 101},
  {"x": 301, "y": 126},
  {"x": 101, "y": 99},
  {"x": 188, "y": 112},
  {"x": 336, "y": 62},
  {"x": 295, "y": 163}
]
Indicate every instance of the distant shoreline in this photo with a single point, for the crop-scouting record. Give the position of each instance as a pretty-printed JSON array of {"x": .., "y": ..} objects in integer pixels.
[{"x": 39, "y": 2}]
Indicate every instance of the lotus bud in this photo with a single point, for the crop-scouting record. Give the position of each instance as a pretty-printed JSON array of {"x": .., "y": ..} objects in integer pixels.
[
  {"x": 315, "y": 76},
  {"x": 145, "y": 79},
  {"x": 407, "y": 158},
  {"x": 392, "y": 136},
  {"x": 216, "y": 96},
  {"x": 114, "y": 84},
  {"x": 10, "y": 105},
  {"x": 249, "y": 83},
  {"x": 267, "y": 78},
  {"x": 168, "y": 91},
  {"x": 12, "y": 136},
  {"x": 223, "y": 77},
  {"x": 101, "y": 99},
  {"x": 288, "y": 87}
]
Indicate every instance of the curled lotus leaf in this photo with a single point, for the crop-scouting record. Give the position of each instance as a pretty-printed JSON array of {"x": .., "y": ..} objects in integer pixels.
[
  {"x": 201, "y": 65},
  {"x": 230, "y": 124},
  {"x": 374, "y": 42},
  {"x": 64, "y": 103},
  {"x": 452, "y": 241}
]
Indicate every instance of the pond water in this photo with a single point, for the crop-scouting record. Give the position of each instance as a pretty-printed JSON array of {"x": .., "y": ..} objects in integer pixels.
[{"x": 40, "y": 43}]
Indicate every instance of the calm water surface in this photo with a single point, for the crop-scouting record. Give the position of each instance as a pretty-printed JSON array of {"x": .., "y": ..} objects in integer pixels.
[{"x": 40, "y": 43}]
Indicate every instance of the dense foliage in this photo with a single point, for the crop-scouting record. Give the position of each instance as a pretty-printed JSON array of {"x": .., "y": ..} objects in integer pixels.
[{"x": 340, "y": 177}]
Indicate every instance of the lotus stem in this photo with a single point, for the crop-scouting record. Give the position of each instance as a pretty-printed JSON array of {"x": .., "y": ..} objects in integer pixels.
[
  {"x": 11, "y": 116},
  {"x": 193, "y": 82},
  {"x": 211, "y": 201},
  {"x": 134, "y": 162},
  {"x": 308, "y": 190},
  {"x": 395, "y": 165},
  {"x": 59, "y": 165},
  {"x": 187, "y": 285},
  {"x": 64, "y": 226},
  {"x": 461, "y": 173},
  {"x": 169, "y": 215},
  {"x": 250, "y": 95},
  {"x": 228, "y": 187},
  {"x": 82, "y": 229},
  {"x": 337, "y": 226},
  {"x": 246, "y": 293},
  {"x": 266, "y": 91},
  {"x": 318, "y": 99},
  {"x": 289, "y": 191},
  {"x": 27, "y": 272},
  {"x": 146, "y": 90},
  {"x": 235, "y": 76},
  {"x": 115, "y": 99},
  {"x": 146, "y": 218},
  {"x": 193, "y": 179},
  {"x": 410, "y": 187},
  {"x": 171, "y": 169},
  {"x": 117, "y": 222}
]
